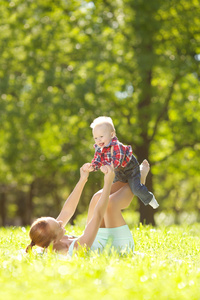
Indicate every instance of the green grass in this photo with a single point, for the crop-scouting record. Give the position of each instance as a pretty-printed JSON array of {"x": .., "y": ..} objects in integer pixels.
[{"x": 166, "y": 266}]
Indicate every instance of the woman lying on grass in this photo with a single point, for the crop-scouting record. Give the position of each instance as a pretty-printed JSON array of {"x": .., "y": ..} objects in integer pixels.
[{"x": 104, "y": 212}]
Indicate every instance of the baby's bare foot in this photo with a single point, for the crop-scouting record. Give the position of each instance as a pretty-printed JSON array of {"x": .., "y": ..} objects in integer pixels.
[
  {"x": 144, "y": 170},
  {"x": 144, "y": 167}
]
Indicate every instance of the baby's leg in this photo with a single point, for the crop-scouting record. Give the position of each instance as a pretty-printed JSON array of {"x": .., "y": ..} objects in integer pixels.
[
  {"x": 140, "y": 190},
  {"x": 144, "y": 167},
  {"x": 121, "y": 200},
  {"x": 124, "y": 201}
]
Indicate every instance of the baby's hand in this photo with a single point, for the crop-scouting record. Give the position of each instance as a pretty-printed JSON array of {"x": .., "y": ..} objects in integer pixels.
[
  {"x": 88, "y": 167},
  {"x": 104, "y": 169}
]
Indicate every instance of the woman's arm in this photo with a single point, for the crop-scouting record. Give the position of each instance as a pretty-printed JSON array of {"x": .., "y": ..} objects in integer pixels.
[
  {"x": 72, "y": 201},
  {"x": 88, "y": 237}
]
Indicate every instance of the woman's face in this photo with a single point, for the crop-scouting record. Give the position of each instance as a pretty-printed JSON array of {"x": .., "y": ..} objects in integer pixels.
[{"x": 56, "y": 227}]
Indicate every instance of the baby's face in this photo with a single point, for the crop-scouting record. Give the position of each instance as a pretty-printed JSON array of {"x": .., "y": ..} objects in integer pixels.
[{"x": 102, "y": 135}]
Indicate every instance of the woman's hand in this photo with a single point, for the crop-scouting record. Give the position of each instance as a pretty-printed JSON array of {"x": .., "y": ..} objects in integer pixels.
[
  {"x": 88, "y": 167},
  {"x": 84, "y": 171},
  {"x": 108, "y": 171}
]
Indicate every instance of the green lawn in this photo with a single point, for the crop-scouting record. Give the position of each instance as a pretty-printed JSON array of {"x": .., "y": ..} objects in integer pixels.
[{"x": 166, "y": 266}]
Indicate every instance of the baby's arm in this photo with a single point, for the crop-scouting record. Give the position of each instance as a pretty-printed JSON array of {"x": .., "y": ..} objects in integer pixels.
[
  {"x": 96, "y": 162},
  {"x": 88, "y": 167}
]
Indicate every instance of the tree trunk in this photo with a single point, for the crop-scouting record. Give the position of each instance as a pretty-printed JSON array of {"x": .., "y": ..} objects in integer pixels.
[
  {"x": 29, "y": 209},
  {"x": 3, "y": 208},
  {"x": 21, "y": 202},
  {"x": 142, "y": 151},
  {"x": 146, "y": 60},
  {"x": 25, "y": 206},
  {"x": 146, "y": 212}
]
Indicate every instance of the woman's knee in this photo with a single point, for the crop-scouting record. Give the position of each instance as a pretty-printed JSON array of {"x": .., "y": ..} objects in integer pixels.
[
  {"x": 111, "y": 205},
  {"x": 95, "y": 199}
]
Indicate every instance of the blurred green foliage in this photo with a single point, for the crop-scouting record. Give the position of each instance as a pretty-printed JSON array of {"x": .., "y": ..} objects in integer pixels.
[{"x": 63, "y": 63}]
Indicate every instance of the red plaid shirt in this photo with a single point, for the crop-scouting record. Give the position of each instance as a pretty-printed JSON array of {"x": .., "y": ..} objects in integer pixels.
[{"x": 121, "y": 155}]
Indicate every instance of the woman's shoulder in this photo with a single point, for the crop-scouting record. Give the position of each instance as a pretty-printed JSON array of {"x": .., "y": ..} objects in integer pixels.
[
  {"x": 71, "y": 247},
  {"x": 64, "y": 245}
]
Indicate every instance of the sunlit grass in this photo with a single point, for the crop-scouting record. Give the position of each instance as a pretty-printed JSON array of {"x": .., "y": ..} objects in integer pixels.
[{"x": 166, "y": 266}]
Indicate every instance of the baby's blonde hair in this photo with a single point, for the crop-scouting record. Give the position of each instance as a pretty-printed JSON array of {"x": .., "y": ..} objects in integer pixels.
[{"x": 102, "y": 120}]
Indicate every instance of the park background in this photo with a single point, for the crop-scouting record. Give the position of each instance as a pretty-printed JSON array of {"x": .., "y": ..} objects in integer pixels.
[{"x": 62, "y": 64}]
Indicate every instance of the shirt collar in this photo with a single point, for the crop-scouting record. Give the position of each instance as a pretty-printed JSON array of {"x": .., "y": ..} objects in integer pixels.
[{"x": 113, "y": 142}]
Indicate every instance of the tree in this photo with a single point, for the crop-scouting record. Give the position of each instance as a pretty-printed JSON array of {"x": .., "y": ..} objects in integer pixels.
[
  {"x": 141, "y": 55},
  {"x": 65, "y": 63}
]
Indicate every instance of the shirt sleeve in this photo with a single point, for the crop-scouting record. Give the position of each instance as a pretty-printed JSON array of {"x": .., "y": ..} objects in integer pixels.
[
  {"x": 96, "y": 162},
  {"x": 118, "y": 155}
]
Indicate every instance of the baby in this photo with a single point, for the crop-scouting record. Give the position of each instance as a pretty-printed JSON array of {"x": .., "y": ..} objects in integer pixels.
[{"x": 109, "y": 150}]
